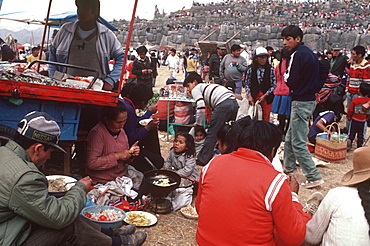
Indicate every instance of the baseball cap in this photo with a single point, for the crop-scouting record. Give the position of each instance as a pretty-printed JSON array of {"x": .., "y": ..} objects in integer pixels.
[
  {"x": 42, "y": 128},
  {"x": 260, "y": 51},
  {"x": 221, "y": 46},
  {"x": 336, "y": 46}
]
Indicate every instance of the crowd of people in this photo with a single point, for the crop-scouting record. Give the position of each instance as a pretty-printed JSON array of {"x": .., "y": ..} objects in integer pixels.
[
  {"x": 295, "y": 83},
  {"x": 326, "y": 21}
]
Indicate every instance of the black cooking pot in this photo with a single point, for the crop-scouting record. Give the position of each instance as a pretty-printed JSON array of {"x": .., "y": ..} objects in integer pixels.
[{"x": 156, "y": 175}]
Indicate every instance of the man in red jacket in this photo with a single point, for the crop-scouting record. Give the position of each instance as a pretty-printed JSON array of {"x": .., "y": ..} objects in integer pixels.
[{"x": 243, "y": 200}]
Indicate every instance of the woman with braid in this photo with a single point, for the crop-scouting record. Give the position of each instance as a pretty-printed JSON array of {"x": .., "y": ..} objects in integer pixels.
[{"x": 343, "y": 217}]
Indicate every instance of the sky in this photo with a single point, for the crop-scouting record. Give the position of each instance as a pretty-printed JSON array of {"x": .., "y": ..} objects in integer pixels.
[{"x": 109, "y": 9}]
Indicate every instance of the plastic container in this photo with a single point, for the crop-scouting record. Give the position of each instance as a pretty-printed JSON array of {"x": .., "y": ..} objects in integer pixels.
[
  {"x": 104, "y": 224},
  {"x": 322, "y": 135}
]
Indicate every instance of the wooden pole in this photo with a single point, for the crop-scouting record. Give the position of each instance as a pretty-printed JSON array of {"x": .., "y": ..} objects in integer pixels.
[
  {"x": 123, "y": 71},
  {"x": 209, "y": 35},
  {"x": 43, "y": 36}
]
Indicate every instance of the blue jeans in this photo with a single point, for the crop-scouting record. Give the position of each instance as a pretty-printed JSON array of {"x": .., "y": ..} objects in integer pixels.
[
  {"x": 357, "y": 128},
  {"x": 225, "y": 111},
  {"x": 350, "y": 97},
  {"x": 295, "y": 147},
  {"x": 238, "y": 86}
]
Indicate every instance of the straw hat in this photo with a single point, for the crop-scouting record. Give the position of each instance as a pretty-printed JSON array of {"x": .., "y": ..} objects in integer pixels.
[{"x": 361, "y": 167}]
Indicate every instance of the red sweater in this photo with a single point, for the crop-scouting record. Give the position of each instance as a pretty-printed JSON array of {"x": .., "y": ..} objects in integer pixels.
[
  {"x": 129, "y": 70},
  {"x": 358, "y": 73},
  {"x": 243, "y": 200},
  {"x": 351, "y": 114},
  {"x": 101, "y": 163}
]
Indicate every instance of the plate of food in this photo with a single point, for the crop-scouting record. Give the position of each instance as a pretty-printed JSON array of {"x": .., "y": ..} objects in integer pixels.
[
  {"x": 189, "y": 212},
  {"x": 58, "y": 185},
  {"x": 145, "y": 122},
  {"x": 140, "y": 218}
]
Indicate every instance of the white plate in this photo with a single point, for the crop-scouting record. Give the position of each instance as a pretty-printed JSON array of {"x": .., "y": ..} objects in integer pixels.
[
  {"x": 67, "y": 179},
  {"x": 152, "y": 217},
  {"x": 145, "y": 122}
]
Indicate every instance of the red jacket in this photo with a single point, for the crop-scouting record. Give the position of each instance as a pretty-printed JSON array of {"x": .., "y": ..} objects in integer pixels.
[
  {"x": 129, "y": 70},
  {"x": 351, "y": 114},
  {"x": 243, "y": 200}
]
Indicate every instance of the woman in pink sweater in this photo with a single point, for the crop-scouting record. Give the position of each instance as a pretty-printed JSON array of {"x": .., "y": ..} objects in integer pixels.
[
  {"x": 282, "y": 101},
  {"x": 107, "y": 149}
]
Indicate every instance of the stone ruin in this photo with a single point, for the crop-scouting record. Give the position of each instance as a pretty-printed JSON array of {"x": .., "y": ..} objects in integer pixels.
[{"x": 257, "y": 29}]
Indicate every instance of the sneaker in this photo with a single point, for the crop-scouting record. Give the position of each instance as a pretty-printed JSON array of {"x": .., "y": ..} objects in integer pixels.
[
  {"x": 313, "y": 203},
  {"x": 124, "y": 230},
  {"x": 312, "y": 184},
  {"x": 136, "y": 239}
]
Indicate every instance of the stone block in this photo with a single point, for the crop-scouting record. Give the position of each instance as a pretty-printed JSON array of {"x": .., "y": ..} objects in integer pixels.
[
  {"x": 365, "y": 40},
  {"x": 150, "y": 37},
  {"x": 263, "y": 36},
  {"x": 253, "y": 36},
  {"x": 274, "y": 29}
]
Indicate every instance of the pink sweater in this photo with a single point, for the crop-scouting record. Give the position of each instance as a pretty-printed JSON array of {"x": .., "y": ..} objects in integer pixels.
[
  {"x": 281, "y": 87},
  {"x": 101, "y": 164}
]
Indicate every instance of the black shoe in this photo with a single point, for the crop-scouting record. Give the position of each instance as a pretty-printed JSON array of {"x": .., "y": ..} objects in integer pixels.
[
  {"x": 136, "y": 239},
  {"x": 124, "y": 230}
]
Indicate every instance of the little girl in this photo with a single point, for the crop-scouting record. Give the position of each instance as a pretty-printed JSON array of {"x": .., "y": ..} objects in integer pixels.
[
  {"x": 182, "y": 157},
  {"x": 199, "y": 136}
]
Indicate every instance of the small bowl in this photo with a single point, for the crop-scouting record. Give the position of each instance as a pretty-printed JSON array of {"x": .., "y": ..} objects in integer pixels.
[
  {"x": 145, "y": 122},
  {"x": 104, "y": 224},
  {"x": 187, "y": 215}
]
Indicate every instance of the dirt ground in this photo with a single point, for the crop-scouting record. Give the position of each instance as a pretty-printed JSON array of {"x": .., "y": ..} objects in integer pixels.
[{"x": 174, "y": 229}]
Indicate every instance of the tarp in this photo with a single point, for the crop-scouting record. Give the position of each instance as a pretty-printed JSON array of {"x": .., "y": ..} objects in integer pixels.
[
  {"x": 59, "y": 19},
  {"x": 55, "y": 20}
]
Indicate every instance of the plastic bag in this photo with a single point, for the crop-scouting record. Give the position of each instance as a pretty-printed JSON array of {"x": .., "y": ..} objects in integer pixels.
[
  {"x": 181, "y": 197},
  {"x": 245, "y": 109}
]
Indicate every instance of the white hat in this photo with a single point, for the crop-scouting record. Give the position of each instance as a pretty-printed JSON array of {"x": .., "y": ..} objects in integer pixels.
[{"x": 261, "y": 51}]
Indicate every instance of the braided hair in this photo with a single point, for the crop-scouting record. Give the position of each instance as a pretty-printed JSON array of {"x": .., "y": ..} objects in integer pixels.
[{"x": 364, "y": 193}]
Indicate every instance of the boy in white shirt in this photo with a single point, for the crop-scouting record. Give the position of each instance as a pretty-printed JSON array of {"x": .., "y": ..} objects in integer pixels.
[{"x": 223, "y": 105}]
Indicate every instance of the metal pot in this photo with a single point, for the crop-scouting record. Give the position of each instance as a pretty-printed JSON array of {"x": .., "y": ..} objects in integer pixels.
[{"x": 156, "y": 175}]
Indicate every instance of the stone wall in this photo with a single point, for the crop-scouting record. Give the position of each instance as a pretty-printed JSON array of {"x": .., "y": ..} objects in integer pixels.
[{"x": 258, "y": 27}]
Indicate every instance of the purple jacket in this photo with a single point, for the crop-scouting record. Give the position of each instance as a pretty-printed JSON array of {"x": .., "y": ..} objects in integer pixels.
[{"x": 134, "y": 131}]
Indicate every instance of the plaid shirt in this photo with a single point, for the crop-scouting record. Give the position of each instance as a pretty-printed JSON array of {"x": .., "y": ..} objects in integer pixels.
[{"x": 260, "y": 74}]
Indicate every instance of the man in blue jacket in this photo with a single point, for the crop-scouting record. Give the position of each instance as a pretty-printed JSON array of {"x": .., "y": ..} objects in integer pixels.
[{"x": 304, "y": 77}]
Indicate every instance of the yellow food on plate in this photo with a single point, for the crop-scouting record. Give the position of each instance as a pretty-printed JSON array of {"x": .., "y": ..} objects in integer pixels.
[{"x": 138, "y": 219}]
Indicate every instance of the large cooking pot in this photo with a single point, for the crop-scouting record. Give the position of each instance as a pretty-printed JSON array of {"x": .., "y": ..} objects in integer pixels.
[{"x": 153, "y": 176}]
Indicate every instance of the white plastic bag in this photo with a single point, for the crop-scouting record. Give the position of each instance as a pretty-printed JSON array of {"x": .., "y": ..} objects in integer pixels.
[
  {"x": 245, "y": 109},
  {"x": 181, "y": 197}
]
